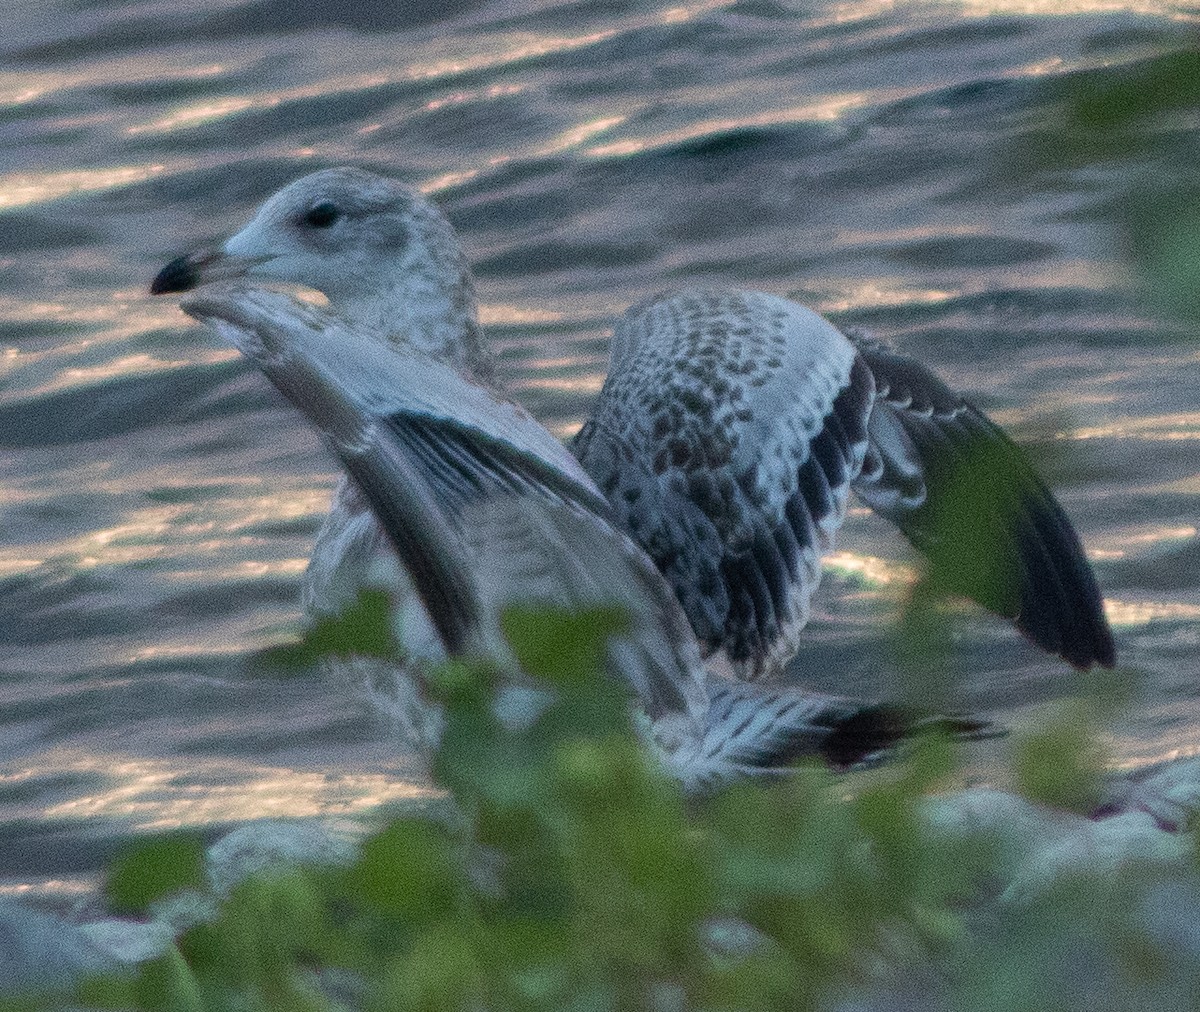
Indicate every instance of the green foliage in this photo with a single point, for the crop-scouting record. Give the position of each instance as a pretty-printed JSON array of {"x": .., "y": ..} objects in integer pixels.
[
  {"x": 1061, "y": 764},
  {"x": 570, "y": 873},
  {"x": 154, "y": 868},
  {"x": 1131, "y": 115},
  {"x": 560, "y": 644},
  {"x": 362, "y": 630}
]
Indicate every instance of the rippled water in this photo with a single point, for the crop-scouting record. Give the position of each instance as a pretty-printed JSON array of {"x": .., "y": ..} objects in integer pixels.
[{"x": 873, "y": 160}]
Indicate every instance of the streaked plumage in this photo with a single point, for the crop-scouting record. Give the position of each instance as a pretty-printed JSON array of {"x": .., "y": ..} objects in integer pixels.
[
  {"x": 730, "y": 431},
  {"x": 485, "y": 509}
]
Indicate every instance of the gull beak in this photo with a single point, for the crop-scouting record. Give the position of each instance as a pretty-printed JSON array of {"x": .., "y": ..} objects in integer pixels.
[{"x": 199, "y": 268}]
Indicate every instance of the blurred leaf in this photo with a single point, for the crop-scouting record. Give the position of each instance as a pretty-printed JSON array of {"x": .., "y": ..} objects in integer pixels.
[
  {"x": 1061, "y": 765},
  {"x": 108, "y": 991},
  {"x": 561, "y": 644},
  {"x": 978, "y": 505},
  {"x": 570, "y": 874},
  {"x": 155, "y": 868},
  {"x": 168, "y": 983},
  {"x": 271, "y": 924},
  {"x": 362, "y": 630},
  {"x": 1164, "y": 241},
  {"x": 1130, "y": 116},
  {"x": 408, "y": 872},
  {"x": 440, "y": 973},
  {"x": 1132, "y": 97}
]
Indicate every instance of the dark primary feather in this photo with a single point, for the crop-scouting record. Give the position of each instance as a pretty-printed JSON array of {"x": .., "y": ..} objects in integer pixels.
[
  {"x": 463, "y": 464},
  {"x": 759, "y": 730},
  {"x": 423, "y": 539},
  {"x": 965, "y": 495}
]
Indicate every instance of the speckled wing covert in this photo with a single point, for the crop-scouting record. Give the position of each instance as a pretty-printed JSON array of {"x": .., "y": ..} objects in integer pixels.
[
  {"x": 707, "y": 730},
  {"x": 965, "y": 495},
  {"x": 726, "y": 437},
  {"x": 732, "y": 426}
]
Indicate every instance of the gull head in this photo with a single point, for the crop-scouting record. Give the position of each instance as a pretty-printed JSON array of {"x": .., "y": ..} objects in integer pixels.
[{"x": 384, "y": 256}]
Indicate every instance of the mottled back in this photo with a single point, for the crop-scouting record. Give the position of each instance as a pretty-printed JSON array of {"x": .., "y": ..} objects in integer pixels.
[{"x": 726, "y": 438}]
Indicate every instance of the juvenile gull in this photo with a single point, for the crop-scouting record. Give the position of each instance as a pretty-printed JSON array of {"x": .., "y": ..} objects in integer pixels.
[
  {"x": 484, "y": 508},
  {"x": 727, "y": 437}
]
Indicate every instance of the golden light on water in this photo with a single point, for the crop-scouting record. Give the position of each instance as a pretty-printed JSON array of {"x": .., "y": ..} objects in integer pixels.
[
  {"x": 827, "y": 109},
  {"x": 1120, "y": 544},
  {"x": 474, "y": 95},
  {"x": 161, "y": 794},
  {"x": 28, "y": 86},
  {"x": 499, "y": 314},
  {"x": 94, "y": 357},
  {"x": 868, "y": 569},
  {"x": 20, "y": 189},
  {"x": 138, "y": 364},
  {"x": 447, "y": 180},
  {"x": 125, "y": 365},
  {"x": 83, "y": 886},
  {"x": 15, "y": 565},
  {"x": 862, "y": 10},
  {"x": 1125, "y": 614},
  {"x": 206, "y": 112},
  {"x": 578, "y": 135},
  {"x": 569, "y": 139},
  {"x": 513, "y": 50},
  {"x": 207, "y": 540},
  {"x": 577, "y": 384},
  {"x": 247, "y": 569},
  {"x": 878, "y": 292},
  {"x": 1058, "y": 8},
  {"x": 516, "y": 48},
  {"x": 1171, "y": 427}
]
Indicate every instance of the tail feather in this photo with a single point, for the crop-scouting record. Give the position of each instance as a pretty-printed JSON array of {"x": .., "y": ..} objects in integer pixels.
[{"x": 752, "y": 730}]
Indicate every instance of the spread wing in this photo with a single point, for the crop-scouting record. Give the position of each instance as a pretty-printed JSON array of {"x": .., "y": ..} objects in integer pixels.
[
  {"x": 966, "y": 496},
  {"x": 726, "y": 438},
  {"x": 483, "y": 507}
]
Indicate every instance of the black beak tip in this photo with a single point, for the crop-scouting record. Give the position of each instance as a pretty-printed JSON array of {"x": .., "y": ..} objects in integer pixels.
[{"x": 179, "y": 275}]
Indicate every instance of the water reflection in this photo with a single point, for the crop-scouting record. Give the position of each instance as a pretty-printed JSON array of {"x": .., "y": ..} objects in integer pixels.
[
  {"x": 824, "y": 110},
  {"x": 20, "y": 189},
  {"x": 1059, "y": 8},
  {"x": 161, "y": 794},
  {"x": 204, "y": 113},
  {"x": 159, "y": 506},
  {"x": 1127, "y": 614},
  {"x": 1181, "y": 426}
]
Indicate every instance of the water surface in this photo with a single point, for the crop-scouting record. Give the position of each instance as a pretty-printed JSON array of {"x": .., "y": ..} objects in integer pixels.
[{"x": 877, "y": 161}]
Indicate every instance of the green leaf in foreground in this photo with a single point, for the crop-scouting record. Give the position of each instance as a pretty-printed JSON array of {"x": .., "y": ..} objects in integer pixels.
[
  {"x": 568, "y": 872},
  {"x": 1061, "y": 765},
  {"x": 269, "y": 932},
  {"x": 152, "y": 869},
  {"x": 407, "y": 871},
  {"x": 561, "y": 644},
  {"x": 363, "y": 630}
]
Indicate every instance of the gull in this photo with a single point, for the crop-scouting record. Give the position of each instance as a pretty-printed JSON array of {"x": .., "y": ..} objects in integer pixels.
[
  {"x": 730, "y": 432},
  {"x": 483, "y": 508}
]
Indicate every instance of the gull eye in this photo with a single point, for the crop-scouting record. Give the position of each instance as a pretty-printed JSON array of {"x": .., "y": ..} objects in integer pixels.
[{"x": 322, "y": 215}]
